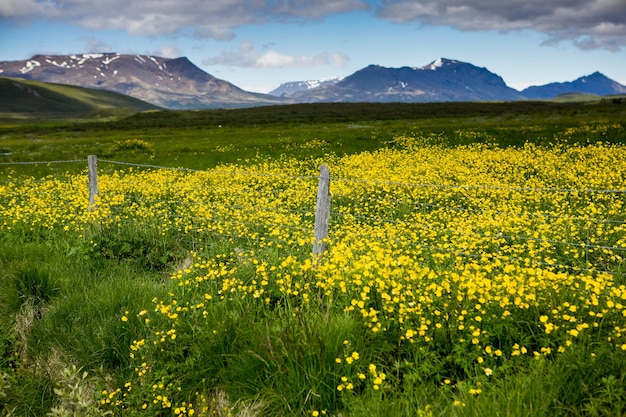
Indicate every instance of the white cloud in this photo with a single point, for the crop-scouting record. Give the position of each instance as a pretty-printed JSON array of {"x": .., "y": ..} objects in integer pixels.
[
  {"x": 167, "y": 51},
  {"x": 314, "y": 9},
  {"x": 589, "y": 24},
  {"x": 339, "y": 60},
  {"x": 214, "y": 18},
  {"x": 247, "y": 56},
  {"x": 23, "y": 9}
]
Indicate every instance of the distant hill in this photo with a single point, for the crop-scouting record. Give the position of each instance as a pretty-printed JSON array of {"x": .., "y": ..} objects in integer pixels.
[
  {"x": 34, "y": 98},
  {"x": 172, "y": 83},
  {"x": 441, "y": 80},
  {"x": 596, "y": 84},
  {"x": 575, "y": 98}
]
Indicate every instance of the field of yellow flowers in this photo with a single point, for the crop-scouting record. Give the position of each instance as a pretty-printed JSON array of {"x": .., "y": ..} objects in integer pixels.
[{"x": 468, "y": 280}]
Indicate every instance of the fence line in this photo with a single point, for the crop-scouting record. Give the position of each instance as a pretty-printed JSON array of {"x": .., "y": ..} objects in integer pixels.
[
  {"x": 323, "y": 210},
  {"x": 323, "y": 202},
  {"x": 378, "y": 182},
  {"x": 346, "y": 180}
]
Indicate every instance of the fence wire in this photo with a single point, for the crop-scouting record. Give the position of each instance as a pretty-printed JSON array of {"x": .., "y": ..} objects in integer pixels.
[{"x": 347, "y": 209}]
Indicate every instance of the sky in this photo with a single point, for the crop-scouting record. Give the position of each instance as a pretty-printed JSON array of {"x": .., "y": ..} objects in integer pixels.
[{"x": 259, "y": 44}]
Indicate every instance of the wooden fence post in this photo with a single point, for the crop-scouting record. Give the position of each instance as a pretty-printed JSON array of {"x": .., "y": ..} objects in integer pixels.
[
  {"x": 92, "y": 162},
  {"x": 322, "y": 211}
]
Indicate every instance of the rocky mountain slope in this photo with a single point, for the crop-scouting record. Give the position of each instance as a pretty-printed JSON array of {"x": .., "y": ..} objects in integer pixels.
[{"x": 172, "y": 83}]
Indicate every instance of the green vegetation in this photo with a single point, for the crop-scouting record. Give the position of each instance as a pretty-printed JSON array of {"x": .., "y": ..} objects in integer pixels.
[
  {"x": 205, "y": 139},
  {"x": 24, "y": 100},
  {"x": 197, "y": 291}
]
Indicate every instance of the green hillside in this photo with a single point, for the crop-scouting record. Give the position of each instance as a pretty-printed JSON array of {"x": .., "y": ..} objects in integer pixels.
[{"x": 25, "y": 99}]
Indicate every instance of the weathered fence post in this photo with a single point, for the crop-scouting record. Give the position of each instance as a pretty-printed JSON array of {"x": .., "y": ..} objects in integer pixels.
[
  {"x": 92, "y": 162},
  {"x": 322, "y": 211}
]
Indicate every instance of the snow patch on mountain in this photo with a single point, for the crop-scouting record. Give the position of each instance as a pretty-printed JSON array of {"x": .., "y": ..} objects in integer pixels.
[
  {"x": 108, "y": 60},
  {"x": 85, "y": 57},
  {"x": 292, "y": 87},
  {"x": 30, "y": 65},
  {"x": 321, "y": 81}
]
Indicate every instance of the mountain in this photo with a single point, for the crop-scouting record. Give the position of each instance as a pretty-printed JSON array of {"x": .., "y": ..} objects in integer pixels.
[
  {"x": 25, "y": 98},
  {"x": 179, "y": 84},
  {"x": 172, "y": 83},
  {"x": 441, "y": 80},
  {"x": 596, "y": 83},
  {"x": 290, "y": 88}
]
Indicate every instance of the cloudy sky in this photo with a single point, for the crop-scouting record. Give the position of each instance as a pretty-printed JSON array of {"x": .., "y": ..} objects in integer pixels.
[{"x": 258, "y": 44}]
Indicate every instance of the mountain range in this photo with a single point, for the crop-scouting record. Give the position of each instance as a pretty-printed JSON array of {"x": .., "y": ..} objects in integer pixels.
[
  {"x": 179, "y": 84},
  {"x": 441, "y": 80}
]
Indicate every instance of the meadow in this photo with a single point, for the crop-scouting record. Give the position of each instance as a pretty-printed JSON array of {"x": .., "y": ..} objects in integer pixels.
[{"x": 474, "y": 264}]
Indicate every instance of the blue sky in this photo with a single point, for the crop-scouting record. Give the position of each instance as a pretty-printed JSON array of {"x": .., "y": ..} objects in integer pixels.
[{"x": 258, "y": 44}]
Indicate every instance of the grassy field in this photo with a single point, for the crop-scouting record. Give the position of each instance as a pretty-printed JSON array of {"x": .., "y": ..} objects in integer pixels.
[
  {"x": 205, "y": 139},
  {"x": 474, "y": 265}
]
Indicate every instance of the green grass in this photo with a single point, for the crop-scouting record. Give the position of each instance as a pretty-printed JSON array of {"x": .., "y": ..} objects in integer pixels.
[
  {"x": 205, "y": 139},
  {"x": 61, "y": 300},
  {"x": 61, "y": 306}
]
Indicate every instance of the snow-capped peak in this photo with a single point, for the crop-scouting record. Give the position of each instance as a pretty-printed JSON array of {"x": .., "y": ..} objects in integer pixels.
[{"x": 438, "y": 63}]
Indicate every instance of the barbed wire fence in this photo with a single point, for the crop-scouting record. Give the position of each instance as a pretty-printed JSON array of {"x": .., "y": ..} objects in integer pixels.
[
  {"x": 228, "y": 219},
  {"x": 442, "y": 227}
]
